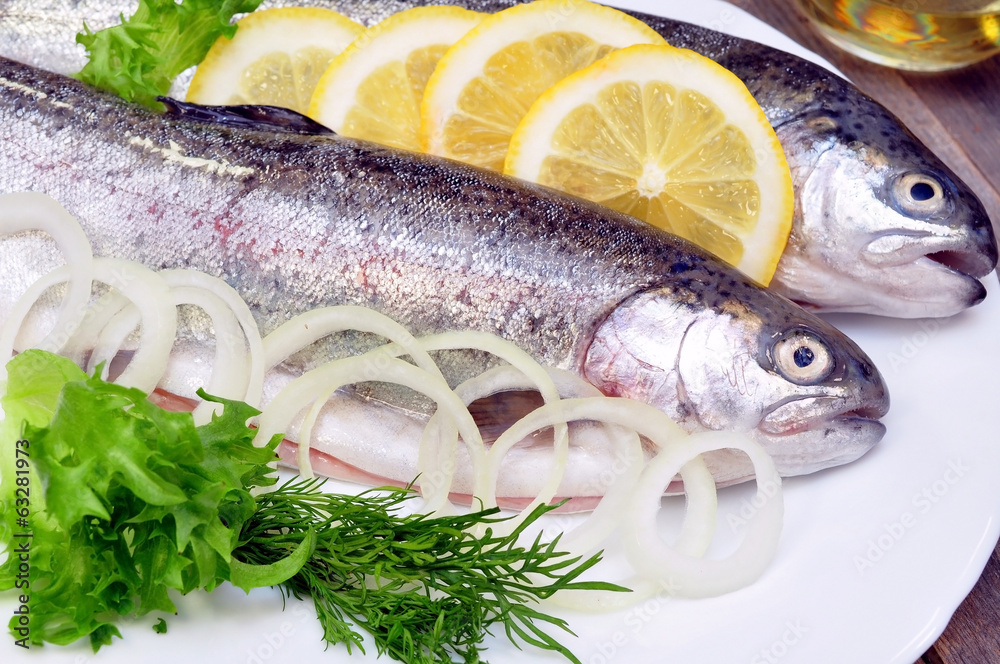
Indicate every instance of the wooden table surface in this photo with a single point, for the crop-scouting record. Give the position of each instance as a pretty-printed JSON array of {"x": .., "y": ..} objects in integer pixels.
[{"x": 958, "y": 115}]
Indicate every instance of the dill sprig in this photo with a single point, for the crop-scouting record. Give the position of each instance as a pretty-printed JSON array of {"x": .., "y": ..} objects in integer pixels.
[
  {"x": 135, "y": 503},
  {"x": 425, "y": 588}
]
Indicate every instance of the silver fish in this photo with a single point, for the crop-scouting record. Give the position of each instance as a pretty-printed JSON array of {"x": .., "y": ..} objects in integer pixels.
[
  {"x": 295, "y": 221},
  {"x": 881, "y": 226}
]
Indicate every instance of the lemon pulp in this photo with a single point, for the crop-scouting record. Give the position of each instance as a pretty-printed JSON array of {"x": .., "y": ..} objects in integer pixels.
[{"x": 671, "y": 138}]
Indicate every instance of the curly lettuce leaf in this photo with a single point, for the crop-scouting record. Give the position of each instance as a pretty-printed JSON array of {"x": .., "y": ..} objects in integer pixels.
[
  {"x": 140, "y": 58},
  {"x": 132, "y": 502},
  {"x": 34, "y": 380},
  {"x": 128, "y": 501}
]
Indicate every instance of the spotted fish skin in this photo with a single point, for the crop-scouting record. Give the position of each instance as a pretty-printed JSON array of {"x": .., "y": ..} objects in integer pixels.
[
  {"x": 297, "y": 221},
  {"x": 882, "y": 226}
]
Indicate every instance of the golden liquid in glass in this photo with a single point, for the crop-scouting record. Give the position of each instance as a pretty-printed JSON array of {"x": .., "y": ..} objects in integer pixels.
[{"x": 921, "y": 35}]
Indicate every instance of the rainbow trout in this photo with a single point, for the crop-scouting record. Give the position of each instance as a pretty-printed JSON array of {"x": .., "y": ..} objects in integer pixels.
[
  {"x": 881, "y": 226},
  {"x": 295, "y": 221}
]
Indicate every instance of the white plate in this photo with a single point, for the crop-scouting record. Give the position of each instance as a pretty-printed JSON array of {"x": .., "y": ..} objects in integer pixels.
[{"x": 874, "y": 559}]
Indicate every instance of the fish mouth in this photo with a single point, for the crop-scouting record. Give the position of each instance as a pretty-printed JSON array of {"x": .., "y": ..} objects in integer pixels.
[
  {"x": 800, "y": 445},
  {"x": 807, "y": 413},
  {"x": 972, "y": 254},
  {"x": 924, "y": 275},
  {"x": 807, "y": 434},
  {"x": 971, "y": 264},
  {"x": 963, "y": 270}
]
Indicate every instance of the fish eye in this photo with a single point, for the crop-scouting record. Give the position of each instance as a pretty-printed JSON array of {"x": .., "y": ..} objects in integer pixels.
[
  {"x": 922, "y": 191},
  {"x": 802, "y": 357},
  {"x": 919, "y": 194}
]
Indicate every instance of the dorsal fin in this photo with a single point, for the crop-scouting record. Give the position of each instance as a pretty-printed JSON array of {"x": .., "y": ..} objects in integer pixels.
[{"x": 264, "y": 118}]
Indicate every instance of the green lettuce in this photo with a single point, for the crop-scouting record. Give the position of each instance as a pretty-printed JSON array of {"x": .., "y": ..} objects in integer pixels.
[
  {"x": 140, "y": 58},
  {"x": 127, "y": 501}
]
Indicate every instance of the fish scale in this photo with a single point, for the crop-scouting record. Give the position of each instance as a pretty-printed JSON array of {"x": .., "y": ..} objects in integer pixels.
[
  {"x": 469, "y": 269},
  {"x": 835, "y": 259},
  {"x": 295, "y": 222},
  {"x": 863, "y": 239}
]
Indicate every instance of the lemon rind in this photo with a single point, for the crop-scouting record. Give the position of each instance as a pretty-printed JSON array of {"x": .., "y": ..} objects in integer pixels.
[
  {"x": 267, "y": 31},
  {"x": 603, "y": 24},
  {"x": 392, "y": 40},
  {"x": 685, "y": 69}
]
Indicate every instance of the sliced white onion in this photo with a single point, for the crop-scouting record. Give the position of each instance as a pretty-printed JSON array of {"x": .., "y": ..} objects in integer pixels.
[
  {"x": 312, "y": 326},
  {"x": 112, "y": 337},
  {"x": 27, "y": 211},
  {"x": 151, "y": 295},
  {"x": 305, "y": 432},
  {"x": 494, "y": 345},
  {"x": 647, "y": 421},
  {"x": 695, "y": 576},
  {"x": 582, "y": 539},
  {"x": 15, "y": 318},
  {"x": 230, "y": 376},
  {"x": 436, "y": 457},
  {"x": 97, "y": 318},
  {"x": 249, "y": 331},
  {"x": 377, "y": 366},
  {"x": 142, "y": 287}
]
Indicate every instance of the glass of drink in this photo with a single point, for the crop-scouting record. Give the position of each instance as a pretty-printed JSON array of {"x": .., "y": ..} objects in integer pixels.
[{"x": 920, "y": 35}]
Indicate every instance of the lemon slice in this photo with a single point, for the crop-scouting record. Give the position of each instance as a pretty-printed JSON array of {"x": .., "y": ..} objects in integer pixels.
[
  {"x": 373, "y": 89},
  {"x": 486, "y": 82},
  {"x": 670, "y": 137},
  {"x": 275, "y": 58}
]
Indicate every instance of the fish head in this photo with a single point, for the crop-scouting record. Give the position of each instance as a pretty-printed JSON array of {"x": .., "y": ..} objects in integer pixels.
[
  {"x": 881, "y": 225},
  {"x": 757, "y": 364}
]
